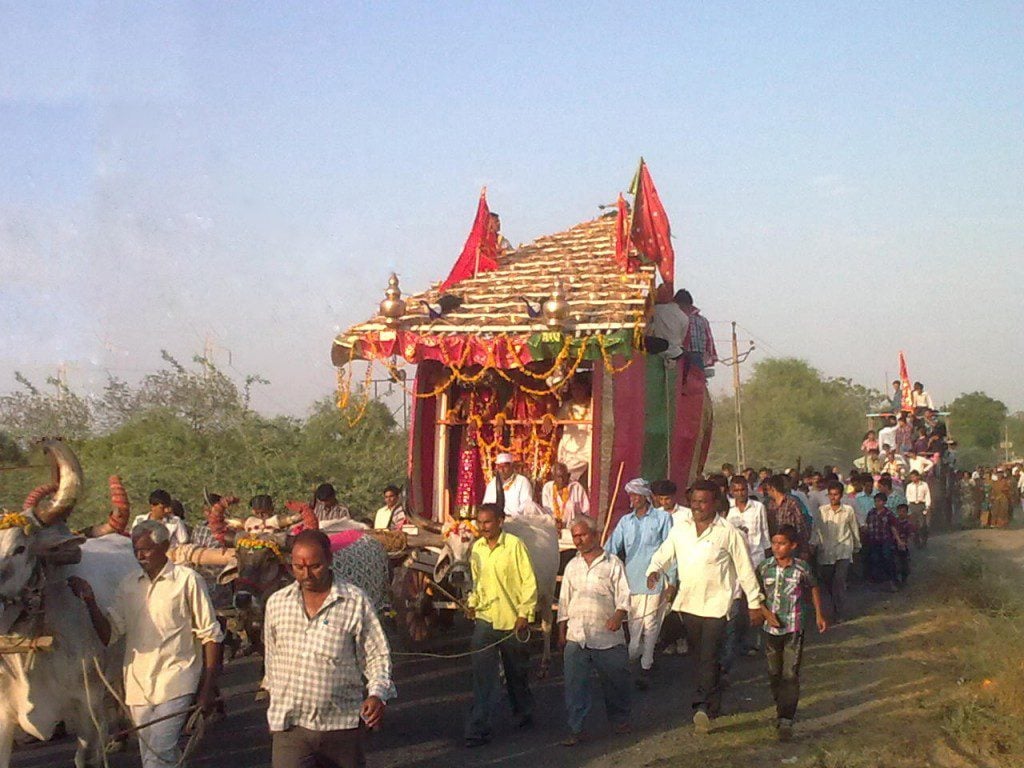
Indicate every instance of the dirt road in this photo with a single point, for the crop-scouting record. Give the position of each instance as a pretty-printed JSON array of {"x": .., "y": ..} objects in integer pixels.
[{"x": 874, "y": 692}]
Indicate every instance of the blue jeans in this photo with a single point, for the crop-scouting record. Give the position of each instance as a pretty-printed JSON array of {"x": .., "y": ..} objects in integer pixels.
[
  {"x": 515, "y": 658},
  {"x": 612, "y": 666}
]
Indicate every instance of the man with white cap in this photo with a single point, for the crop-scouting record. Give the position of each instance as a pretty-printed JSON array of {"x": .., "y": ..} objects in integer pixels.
[
  {"x": 635, "y": 539},
  {"x": 518, "y": 490}
]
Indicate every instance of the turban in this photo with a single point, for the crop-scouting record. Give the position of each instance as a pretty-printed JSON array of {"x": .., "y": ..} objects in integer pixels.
[{"x": 639, "y": 486}]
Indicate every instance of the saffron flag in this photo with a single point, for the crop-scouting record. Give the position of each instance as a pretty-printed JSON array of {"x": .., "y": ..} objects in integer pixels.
[
  {"x": 479, "y": 254},
  {"x": 622, "y": 241},
  {"x": 906, "y": 398},
  {"x": 651, "y": 233}
]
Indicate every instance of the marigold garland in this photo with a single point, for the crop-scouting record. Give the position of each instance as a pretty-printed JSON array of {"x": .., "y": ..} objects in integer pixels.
[
  {"x": 253, "y": 544},
  {"x": 457, "y": 526},
  {"x": 16, "y": 520}
]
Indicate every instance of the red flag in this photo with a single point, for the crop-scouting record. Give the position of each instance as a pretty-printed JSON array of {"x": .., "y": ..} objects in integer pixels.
[
  {"x": 622, "y": 242},
  {"x": 481, "y": 248},
  {"x": 652, "y": 233},
  {"x": 906, "y": 398}
]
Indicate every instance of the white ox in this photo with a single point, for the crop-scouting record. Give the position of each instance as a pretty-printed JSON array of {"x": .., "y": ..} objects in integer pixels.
[
  {"x": 537, "y": 531},
  {"x": 40, "y": 689}
]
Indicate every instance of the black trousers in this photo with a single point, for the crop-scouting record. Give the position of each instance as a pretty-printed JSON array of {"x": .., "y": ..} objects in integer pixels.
[
  {"x": 302, "y": 748},
  {"x": 784, "y": 654},
  {"x": 705, "y": 636}
]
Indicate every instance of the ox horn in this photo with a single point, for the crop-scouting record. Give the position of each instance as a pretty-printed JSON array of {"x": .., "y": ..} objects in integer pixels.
[
  {"x": 67, "y": 473},
  {"x": 422, "y": 522}
]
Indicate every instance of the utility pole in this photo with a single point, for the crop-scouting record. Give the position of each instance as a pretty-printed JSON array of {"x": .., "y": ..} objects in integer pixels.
[{"x": 741, "y": 451}]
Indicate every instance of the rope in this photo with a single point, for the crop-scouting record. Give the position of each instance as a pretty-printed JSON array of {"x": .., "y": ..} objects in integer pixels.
[
  {"x": 464, "y": 654},
  {"x": 92, "y": 715}
]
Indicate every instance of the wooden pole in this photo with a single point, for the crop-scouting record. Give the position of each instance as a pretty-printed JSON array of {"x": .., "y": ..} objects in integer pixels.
[
  {"x": 611, "y": 506},
  {"x": 741, "y": 453}
]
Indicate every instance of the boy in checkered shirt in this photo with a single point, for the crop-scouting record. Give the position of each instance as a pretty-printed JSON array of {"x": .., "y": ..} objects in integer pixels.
[{"x": 786, "y": 581}]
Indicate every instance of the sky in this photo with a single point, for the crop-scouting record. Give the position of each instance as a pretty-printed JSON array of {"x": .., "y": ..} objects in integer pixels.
[{"x": 845, "y": 180}]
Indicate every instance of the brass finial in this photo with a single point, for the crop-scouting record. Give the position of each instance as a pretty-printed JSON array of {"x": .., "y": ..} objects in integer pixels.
[
  {"x": 392, "y": 308},
  {"x": 556, "y": 309}
]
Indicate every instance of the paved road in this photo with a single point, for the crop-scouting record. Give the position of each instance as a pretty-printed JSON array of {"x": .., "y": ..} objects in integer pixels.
[{"x": 423, "y": 727}]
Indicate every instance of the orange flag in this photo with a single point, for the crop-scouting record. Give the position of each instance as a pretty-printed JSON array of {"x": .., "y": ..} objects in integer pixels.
[{"x": 906, "y": 399}]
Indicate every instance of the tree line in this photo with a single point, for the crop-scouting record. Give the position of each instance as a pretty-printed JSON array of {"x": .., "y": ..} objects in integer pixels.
[
  {"x": 791, "y": 412},
  {"x": 189, "y": 427}
]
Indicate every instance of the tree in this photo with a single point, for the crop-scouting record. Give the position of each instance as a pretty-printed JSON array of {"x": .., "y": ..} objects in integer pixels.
[
  {"x": 977, "y": 422},
  {"x": 30, "y": 414},
  {"x": 791, "y": 411}
]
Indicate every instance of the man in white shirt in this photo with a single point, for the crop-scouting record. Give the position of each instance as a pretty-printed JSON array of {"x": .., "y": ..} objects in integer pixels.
[
  {"x": 887, "y": 434},
  {"x": 673, "y": 636},
  {"x": 669, "y": 323},
  {"x": 172, "y": 643},
  {"x": 592, "y": 605},
  {"x": 563, "y": 497},
  {"x": 711, "y": 557},
  {"x": 921, "y": 400},
  {"x": 919, "y": 503},
  {"x": 518, "y": 490},
  {"x": 750, "y": 517},
  {"x": 918, "y": 463},
  {"x": 838, "y": 540},
  {"x": 162, "y": 511},
  {"x": 665, "y": 493},
  {"x": 575, "y": 442},
  {"x": 390, "y": 517}
]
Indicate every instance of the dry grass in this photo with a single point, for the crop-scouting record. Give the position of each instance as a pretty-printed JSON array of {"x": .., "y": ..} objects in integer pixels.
[{"x": 983, "y": 718}]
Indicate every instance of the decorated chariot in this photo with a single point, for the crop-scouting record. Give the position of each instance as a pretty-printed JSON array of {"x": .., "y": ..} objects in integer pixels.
[{"x": 538, "y": 353}]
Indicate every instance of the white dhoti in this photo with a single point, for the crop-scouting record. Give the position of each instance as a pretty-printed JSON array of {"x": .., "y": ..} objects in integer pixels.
[
  {"x": 646, "y": 612},
  {"x": 158, "y": 743}
]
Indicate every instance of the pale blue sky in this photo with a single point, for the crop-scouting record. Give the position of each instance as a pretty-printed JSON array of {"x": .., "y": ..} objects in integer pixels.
[{"x": 845, "y": 180}]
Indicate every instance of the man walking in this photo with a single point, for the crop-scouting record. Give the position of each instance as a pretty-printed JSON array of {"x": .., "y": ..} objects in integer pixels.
[
  {"x": 712, "y": 558},
  {"x": 919, "y": 502},
  {"x": 784, "y": 509},
  {"x": 751, "y": 518},
  {"x": 502, "y": 605},
  {"x": 592, "y": 605},
  {"x": 172, "y": 641},
  {"x": 635, "y": 539},
  {"x": 323, "y": 639},
  {"x": 838, "y": 540}
]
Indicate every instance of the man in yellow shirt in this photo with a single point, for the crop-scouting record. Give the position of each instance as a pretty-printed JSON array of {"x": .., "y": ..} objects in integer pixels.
[{"x": 503, "y": 601}]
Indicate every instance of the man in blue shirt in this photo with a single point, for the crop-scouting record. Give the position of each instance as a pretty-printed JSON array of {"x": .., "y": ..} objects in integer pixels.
[
  {"x": 863, "y": 503},
  {"x": 635, "y": 539}
]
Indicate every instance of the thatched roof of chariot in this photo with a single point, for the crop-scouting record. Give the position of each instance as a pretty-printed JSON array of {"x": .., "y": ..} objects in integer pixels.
[{"x": 603, "y": 300}]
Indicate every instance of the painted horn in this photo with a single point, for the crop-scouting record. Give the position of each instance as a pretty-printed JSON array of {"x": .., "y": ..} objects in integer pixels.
[
  {"x": 67, "y": 474},
  {"x": 422, "y": 522}
]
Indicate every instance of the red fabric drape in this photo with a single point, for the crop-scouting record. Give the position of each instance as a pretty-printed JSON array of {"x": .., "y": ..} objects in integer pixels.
[
  {"x": 622, "y": 241},
  {"x": 651, "y": 232},
  {"x": 479, "y": 254}
]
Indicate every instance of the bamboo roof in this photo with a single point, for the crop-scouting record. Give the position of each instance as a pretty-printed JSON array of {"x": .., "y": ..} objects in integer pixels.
[{"x": 602, "y": 297}]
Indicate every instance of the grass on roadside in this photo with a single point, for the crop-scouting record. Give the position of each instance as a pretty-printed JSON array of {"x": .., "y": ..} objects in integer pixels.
[{"x": 984, "y": 717}]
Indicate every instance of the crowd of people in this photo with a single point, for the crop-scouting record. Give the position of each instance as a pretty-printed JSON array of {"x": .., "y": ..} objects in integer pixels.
[{"x": 738, "y": 564}]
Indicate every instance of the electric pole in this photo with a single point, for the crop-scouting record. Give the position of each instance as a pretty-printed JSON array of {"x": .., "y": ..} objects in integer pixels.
[{"x": 741, "y": 450}]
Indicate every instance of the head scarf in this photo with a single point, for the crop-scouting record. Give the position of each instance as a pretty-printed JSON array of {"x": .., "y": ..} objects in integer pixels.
[{"x": 640, "y": 487}]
